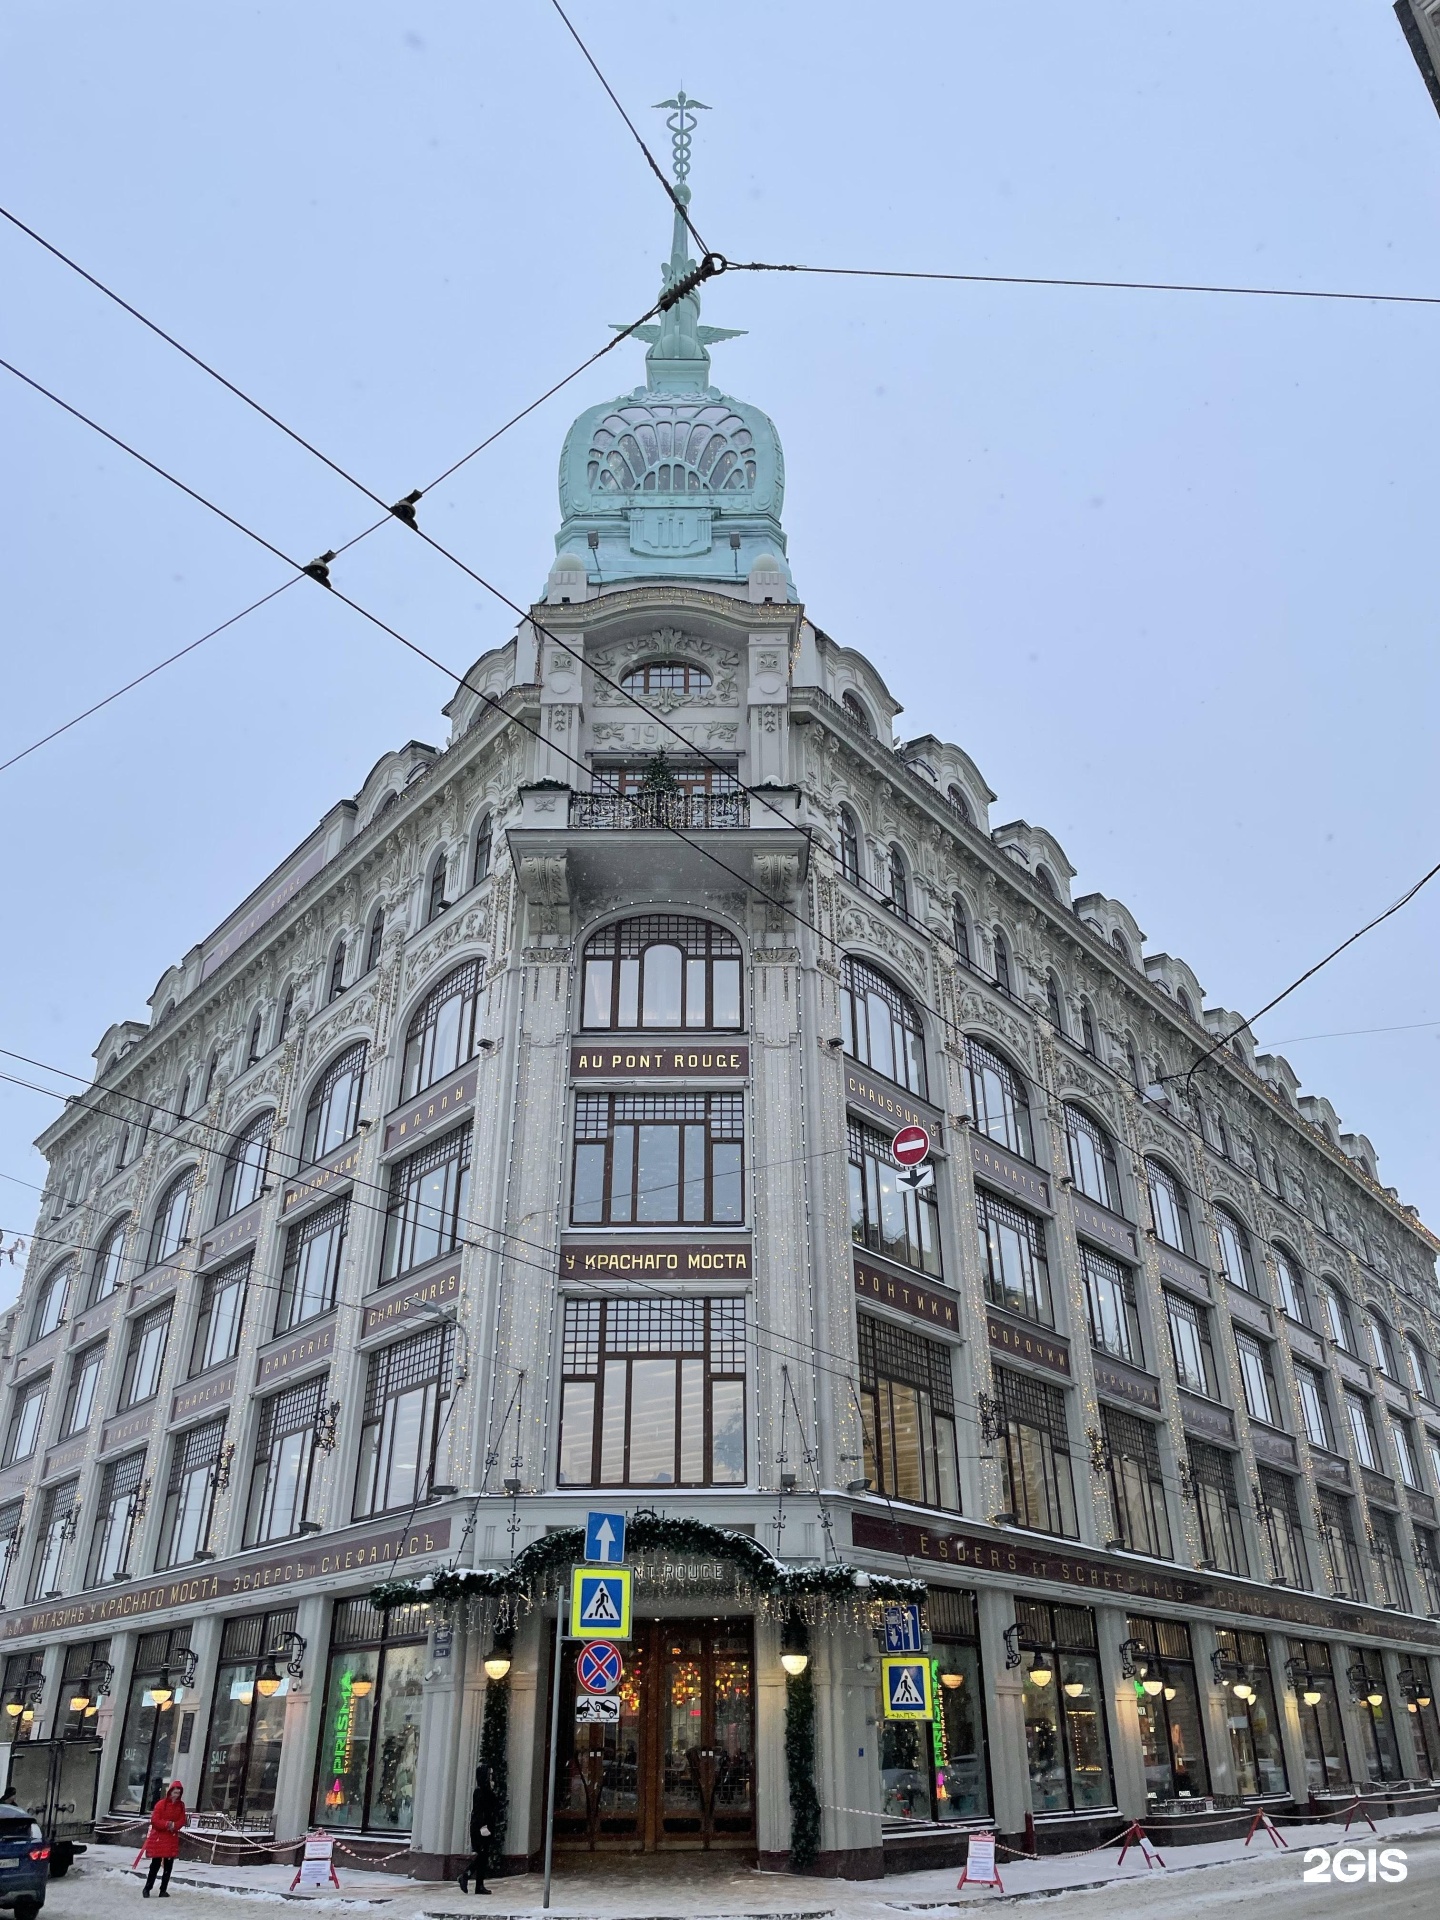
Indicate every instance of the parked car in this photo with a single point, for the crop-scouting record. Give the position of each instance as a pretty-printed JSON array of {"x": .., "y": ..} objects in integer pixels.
[{"x": 24, "y": 1862}]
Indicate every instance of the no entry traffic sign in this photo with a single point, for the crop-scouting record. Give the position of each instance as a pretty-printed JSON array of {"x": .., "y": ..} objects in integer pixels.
[
  {"x": 910, "y": 1146},
  {"x": 599, "y": 1667}
]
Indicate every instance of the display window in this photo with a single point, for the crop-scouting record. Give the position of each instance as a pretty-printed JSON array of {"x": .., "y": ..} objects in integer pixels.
[
  {"x": 370, "y": 1722},
  {"x": 938, "y": 1769},
  {"x": 1256, "y": 1751},
  {"x": 247, "y": 1721},
  {"x": 1067, "y": 1742},
  {"x": 1313, "y": 1679},
  {"x": 145, "y": 1766},
  {"x": 1167, "y": 1703}
]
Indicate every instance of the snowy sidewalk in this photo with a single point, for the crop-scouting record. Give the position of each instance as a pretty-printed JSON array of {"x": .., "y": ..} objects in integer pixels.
[{"x": 709, "y": 1887}]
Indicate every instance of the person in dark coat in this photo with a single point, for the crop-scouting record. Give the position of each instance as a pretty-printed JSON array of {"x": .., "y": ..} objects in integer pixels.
[
  {"x": 162, "y": 1843},
  {"x": 484, "y": 1818}
]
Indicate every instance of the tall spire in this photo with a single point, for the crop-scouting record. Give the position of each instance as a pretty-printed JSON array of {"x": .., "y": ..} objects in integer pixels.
[{"x": 677, "y": 358}]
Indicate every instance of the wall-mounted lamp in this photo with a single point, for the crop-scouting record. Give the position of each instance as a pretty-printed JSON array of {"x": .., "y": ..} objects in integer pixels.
[{"x": 795, "y": 1646}]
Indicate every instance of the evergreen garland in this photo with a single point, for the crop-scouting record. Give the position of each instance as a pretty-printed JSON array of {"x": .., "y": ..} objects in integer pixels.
[
  {"x": 539, "y": 1567},
  {"x": 800, "y": 1766},
  {"x": 494, "y": 1752}
]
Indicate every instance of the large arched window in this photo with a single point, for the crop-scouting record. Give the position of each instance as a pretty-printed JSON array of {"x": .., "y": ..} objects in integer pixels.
[
  {"x": 959, "y": 799},
  {"x": 1092, "y": 1158},
  {"x": 1377, "y": 1337},
  {"x": 245, "y": 1165},
  {"x": 484, "y": 839},
  {"x": 441, "y": 1033},
  {"x": 376, "y": 940},
  {"x": 1337, "y": 1316},
  {"x": 881, "y": 1026},
  {"x": 899, "y": 885},
  {"x": 1002, "y": 962},
  {"x": 849, "y": 846},
  {"x": 1235, "y": 1261},
  {"x": 1418, "y": 1362},
  {"x": 52, "y": 1300},
  {"x": 172, "y": 1219},
  {"x": 855, "y": 707},
  {"x": 662, "y": 970},
  {"x": 666, "y": 676},
  {"x": 109, "y": 1268},
  {"x": 1293, "y": 1298},
  {"x": 1169, "y": 1208},
  {"x": 960, "y": 925},
  {"x": 998, "y": 1098},
  {"x": 333, "y": 1115}
]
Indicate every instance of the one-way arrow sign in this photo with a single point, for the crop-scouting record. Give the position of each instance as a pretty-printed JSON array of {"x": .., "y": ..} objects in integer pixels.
[{"x": 605, "y": 1538}]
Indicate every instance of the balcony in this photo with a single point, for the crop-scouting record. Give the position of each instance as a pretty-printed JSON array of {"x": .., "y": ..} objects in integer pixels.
[
  {"x": 657, "y": 847},
  {"x": 637, "y": 812}
]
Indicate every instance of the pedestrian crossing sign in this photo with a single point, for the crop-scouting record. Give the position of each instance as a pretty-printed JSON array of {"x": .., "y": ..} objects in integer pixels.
[
  {"x": 908, "y": 1694},
  {"x": 600, "y": 1603}
]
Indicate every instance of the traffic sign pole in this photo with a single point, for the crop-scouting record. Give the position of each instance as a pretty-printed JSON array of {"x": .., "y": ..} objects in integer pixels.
[{"x": 554, "y": 1747}]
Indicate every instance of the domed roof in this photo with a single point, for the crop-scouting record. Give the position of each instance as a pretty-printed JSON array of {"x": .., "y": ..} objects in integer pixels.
[{"x": 674, "y": 479}]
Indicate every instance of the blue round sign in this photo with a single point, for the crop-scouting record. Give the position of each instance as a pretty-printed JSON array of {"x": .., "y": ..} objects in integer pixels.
[{"x": 599, "y": 1667}]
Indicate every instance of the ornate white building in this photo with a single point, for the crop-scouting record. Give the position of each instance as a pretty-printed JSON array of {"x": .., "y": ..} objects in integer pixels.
[{"x": 522, "y": 1145}]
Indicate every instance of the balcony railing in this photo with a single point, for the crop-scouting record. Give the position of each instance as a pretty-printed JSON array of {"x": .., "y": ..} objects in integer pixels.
[{"x": 633, "y": 812}]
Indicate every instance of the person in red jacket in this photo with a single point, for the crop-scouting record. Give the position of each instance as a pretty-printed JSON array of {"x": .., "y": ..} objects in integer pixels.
[{"x": 162, "y": 1843}]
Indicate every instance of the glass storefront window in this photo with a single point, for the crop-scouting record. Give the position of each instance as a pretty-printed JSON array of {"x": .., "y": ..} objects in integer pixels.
[
  {"x": 1325, "y": 1763},
  {"x": 937, "y": 1769},
  {"x": 242, "y": 1755},
  {"x": 80, "y": 1677},
  {"x": 147, "y": 1740},
  {"x": 370, "y": 1726},
  {"x": 1377, "y": 1729},
  {"x": 1254, "y": 1724},
  {"x": 1066, "y": 1740},
  {"x": 1171, "y": 1741}
]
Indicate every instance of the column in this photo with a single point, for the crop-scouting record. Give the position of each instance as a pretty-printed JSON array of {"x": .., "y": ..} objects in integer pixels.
[
  {"x": 772, "y": 1779},
  {"x": 194, "y": 1704},
  {"x": 1412, "y": 1764},
  {"x": 1287, "y": 1708},
  {"x": 1005, "y": 1714},
  {"x": 1112, "y": 1626},
  {"x": 847, "y": 1751},
  {"x": 438, "y": 1784},
  {"x": 304, "y": 1704},
  {"x": 1214, "y": 1710},
  {"x": 110, "y": 1720},
  {"x": 532, "y": 1657}
]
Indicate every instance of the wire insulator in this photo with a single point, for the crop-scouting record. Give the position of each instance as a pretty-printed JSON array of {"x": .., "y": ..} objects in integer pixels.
[
  {"x": 319, "y": 569},
  {"x": 712, "y": 264},
  {"x": 405, "y": 510}
]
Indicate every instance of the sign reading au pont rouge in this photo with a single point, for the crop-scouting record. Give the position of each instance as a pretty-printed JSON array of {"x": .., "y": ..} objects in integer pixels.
[{"x": 659, "y": 1062}]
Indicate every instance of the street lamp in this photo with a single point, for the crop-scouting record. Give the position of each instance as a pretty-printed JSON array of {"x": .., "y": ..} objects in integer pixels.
[
  {"x": 795, "y": 1646},
  {"x": 1041, "y": 1672},
  {"x": 267, "y": 1677},
  {"x": 497, "y": 1662}
]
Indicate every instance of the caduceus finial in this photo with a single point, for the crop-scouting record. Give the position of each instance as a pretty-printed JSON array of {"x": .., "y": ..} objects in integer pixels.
[{"x": 682, "y": 123}]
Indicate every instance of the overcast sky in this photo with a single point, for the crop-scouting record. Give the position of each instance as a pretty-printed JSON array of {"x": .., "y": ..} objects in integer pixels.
[{"x": 1165, "y": 565}]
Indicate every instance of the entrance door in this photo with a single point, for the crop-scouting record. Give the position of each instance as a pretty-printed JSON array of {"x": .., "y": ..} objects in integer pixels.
[{"x": 677, "y": 1770}]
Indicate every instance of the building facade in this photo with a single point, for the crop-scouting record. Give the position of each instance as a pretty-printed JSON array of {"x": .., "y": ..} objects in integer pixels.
[{"x": 523, "y": 1145}]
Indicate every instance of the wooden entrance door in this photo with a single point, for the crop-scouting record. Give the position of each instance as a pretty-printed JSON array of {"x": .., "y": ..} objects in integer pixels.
[{"x": 678, "y": 1769}]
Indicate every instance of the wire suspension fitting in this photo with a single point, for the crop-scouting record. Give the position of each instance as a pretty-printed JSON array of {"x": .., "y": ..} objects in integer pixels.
[{"x": 712, "y": 264}]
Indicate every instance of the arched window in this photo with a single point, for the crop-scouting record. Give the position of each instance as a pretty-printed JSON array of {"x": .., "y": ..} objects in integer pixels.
[
  {"x": 662, "y": 970},
  {"x": 1052, "y": 1003},
  {"x": 1169, "y": 1208},
  {"x": 124, "y": 1154},
  {"x": 182, "y": 1105},
  {"x": 960, "y": 922},
  {"x": 252, "y": 1044},
  {"x": 855, "y": 707},
  {"x": 1092, "y": 1158},
  {"x": 1292, "y": 1287},
  {"x": 666, "y": 676},
  {"x": 998, "y": 1098},
  {"x": 1182, "y": 1000},
  {"x": 1377, "y": 1335},
  {"x": 1418, "y": 1363},
  {"x": 961, "y": 803},
  {"x": 899, "y": 888},
  {"x": 1087, "y": 1029},
  {"x": 109, "y": 1268},
  {"x": 436, "y": 903},
  {"x": 212, "y": 1068},
  {"x": 881, "y": 1026},
  {"x": 849, "y": 846},
  {"x": 1222, "y": 1136},
  {"x": 333, "y": 1115},
  {"x": 1236, "y": 1265},
  {"x": 1046, "y": 882},
  {"x": 441, "y": 1033},
  {"x": 172, "y": 1219},
  {"x": 480, "y": 867},
  {"x": 51, "y": 1301},
  {"x": 1121, "y": 946},
  {"x": 245, "y": 1165},
  {"x": 1337, "y": 1316},
  {"x": 1002, "y": 962},
  {"x": 376, "y": 940},
  {"x": 287, "y": 1010},
  {"x": 391, "y": 799},
  {"x": 337, "y": 973},
  {"x": 1132, "y": 1059}
]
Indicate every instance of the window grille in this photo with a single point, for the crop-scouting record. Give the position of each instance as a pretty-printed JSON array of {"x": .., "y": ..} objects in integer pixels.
[
  {"x": 409, "y": 1363},
  {"x": 696, "y": 939},
  {"x": 952, "y": 1613},
  {"x": 123, "y": 1477},
  {"x": 296, "y": 1410},
  {"x": 200, "y": 1447},
  {"x": 1210, "y": 1467},
  {"x": 1132, "y": 1437},
  {"x": 254, "y": 1634},
  {"x": 1047, "y": 1626},
  {"x": 897, "y": 1354},
  {"x": 1033, "y": 1403},
  {"x": 358, "y": 1624}
]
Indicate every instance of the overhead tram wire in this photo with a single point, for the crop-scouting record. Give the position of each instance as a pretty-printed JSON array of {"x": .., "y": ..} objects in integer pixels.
[
  {"x": 355, "y": 540},
  {"x": 1057, "y": 280},
  {"x": 462, "y": 681}
]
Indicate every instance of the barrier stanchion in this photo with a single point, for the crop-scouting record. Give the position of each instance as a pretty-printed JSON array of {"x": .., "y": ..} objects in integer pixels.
[
  {"x": 1364, "y": 1812},
  {"x": 1262, "y": 1823},
  {"x": 1136, "y": 1836}
]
